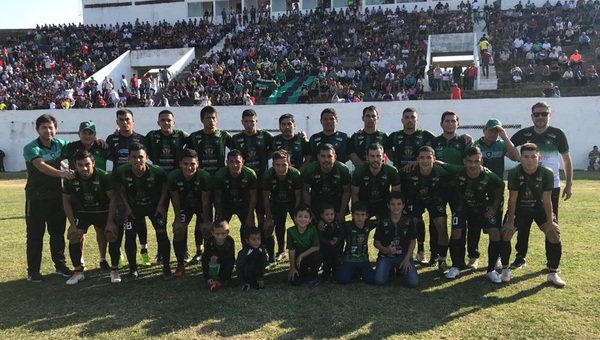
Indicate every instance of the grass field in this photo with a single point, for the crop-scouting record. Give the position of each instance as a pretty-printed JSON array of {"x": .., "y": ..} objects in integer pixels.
[{"x": 469, "y": 307}]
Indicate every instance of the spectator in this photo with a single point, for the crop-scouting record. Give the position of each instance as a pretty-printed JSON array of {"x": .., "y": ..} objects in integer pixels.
[
  {"x": 575, "y": 59},
  {"x": 486, "y": 58},
  {"x": 529, "y": 73},
  {"x": 455, "y": 92},
  {"x": 2, "y": 155},
  {"x": 584, "y": 41},
  {"x": 592, "y": 76},
  {"x": 550, "y": 91},
  {"x": 568, "y": 76}
]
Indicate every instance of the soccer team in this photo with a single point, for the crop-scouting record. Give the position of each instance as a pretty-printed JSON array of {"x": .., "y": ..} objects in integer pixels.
[{"x": 210, "y": 171}]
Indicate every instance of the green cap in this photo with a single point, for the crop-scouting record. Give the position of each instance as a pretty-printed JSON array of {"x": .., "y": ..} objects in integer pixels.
[
  {"x": 87, "y": 126},
  {"x": 493, "y": 123}
]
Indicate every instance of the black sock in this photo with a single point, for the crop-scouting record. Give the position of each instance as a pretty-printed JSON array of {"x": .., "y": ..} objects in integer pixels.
[
  {"x": 442, "y": 250},
  {"x": 75, "y": 253},
  {"x": 553, "y": 254},
  {"x": 179, "y": 247},
  {"x": 505, "y": 250},
  {"x": 114, "y": 250},
  {"x": 493, "y": 249},
  {"x": 270, "y": 247},
  {"x": 458, "y": 261},
  {"x": 164, "y": 247},
  {"x": 131, "y": 249},
  {"x": 198, "y": 239}
]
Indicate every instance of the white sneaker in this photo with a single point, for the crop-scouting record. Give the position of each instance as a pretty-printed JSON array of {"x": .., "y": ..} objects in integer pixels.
[
  {"x": 452, "y": 273},
  {"x": 556, "y": 280},
  {"x": 421, "y": 258},
  {"x": 75, "y": 278},
  {"x": 473, "y": 263},
  {"x": 506, "y": 275},
  {"x": 498, "y": 266},
  {"x": 114, "y": 276},
  {"x": 494, "y": 277}
]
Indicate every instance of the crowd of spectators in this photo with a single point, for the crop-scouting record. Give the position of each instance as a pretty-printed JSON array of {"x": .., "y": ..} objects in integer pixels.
[
  {"x": 353, "y": 56},
  {"x": 388, "y": 48},
  {"x": 543, "y": 44},
  {"x": 47, "y": 68}
]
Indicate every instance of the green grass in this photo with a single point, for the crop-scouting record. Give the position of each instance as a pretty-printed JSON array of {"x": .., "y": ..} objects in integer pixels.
[{"x": 469, "y": 307}]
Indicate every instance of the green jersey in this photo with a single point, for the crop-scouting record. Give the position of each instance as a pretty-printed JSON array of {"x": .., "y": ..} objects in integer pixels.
[
  {"x": 190, "y": 192},
  {"x": 89, "y": 195},
  {"x": 165, "y": 151},
  {"x": 493, "y": 155},
  {"x": 301, "y": 242},
  {"x": 475, "y": 193},
  {"x": 100, "y": 154},
  {"x": 255, "y": 149},
  {"x": 406, "y": 146},
  {"x": 210, "y": 148},
  {"x": 397, "y": 234},
  {"x": 357, "y": 242},
  {"x": 360, "y": 141},
  {"x": 41, "y": 186},
  {"x": 297, "y": 147},
  {"x": 449, "y": 150},
  {"x": 420, "y": 188},
  {"x": 530, "y": 188},
  {"x": 235, "y": 191},
  {"x": 326, "y": 188},
  {"x": 552, "y": 143},
  {"x": 375, "y": 189},
  {"x": 144, "y": 191},
  {"x": 283, "y": 191}
]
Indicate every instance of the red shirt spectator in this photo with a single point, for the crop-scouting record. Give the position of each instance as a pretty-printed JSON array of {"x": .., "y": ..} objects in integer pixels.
[{"x": 455, "y": 92}]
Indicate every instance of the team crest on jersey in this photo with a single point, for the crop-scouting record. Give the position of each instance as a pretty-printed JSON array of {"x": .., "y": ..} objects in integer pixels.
[
  {"x": 166, "y": 151},
  {"x": 209, "y": 151},
  {"x": 89, "y": 198}
]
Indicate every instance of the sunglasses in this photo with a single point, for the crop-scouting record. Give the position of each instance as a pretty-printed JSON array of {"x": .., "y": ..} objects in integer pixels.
[{"x": 543, "y": 114}]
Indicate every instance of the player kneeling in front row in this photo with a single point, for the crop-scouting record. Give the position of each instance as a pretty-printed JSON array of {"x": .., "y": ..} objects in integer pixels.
[
  {"x": 218, "y": 258},
  {"x": 251, "y": 261},
  {"x": 395, "y": 238},
  {"x": 480, "y": 192},
  {"x": 143, "y": 188},
  {"x": 190, "y": 191},
  {"x": 89, "y": 199},
  {"x": 530, "y": 189}
]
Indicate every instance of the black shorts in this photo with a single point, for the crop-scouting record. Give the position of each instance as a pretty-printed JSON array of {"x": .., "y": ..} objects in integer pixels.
[
  {"x": 524, "y": 217},
  {"x": 186, "y": 214},
  {"x": 158, "y": 222},
  {"x": 461, "y": 219},
  {"x": 83, "y": 220},
  {"x": 417, "y": 209}
]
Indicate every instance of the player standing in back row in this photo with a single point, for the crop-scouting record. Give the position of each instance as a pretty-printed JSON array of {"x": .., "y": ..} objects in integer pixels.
[{"x": 553, "y": 146}]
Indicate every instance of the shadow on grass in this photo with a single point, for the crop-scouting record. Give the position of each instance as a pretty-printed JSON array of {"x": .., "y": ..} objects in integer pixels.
[
  {"x": 12, "y": 218},
  {"x": 152, "y": 307}
]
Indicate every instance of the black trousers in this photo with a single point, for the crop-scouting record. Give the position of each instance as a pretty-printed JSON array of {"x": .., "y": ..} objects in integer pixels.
[
  {"x": 524, "y": 231},
  {"x": 40, "y": 214}
]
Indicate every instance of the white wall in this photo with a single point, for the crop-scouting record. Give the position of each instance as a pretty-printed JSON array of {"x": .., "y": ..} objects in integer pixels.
[{"x": 579, "y": 117}]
